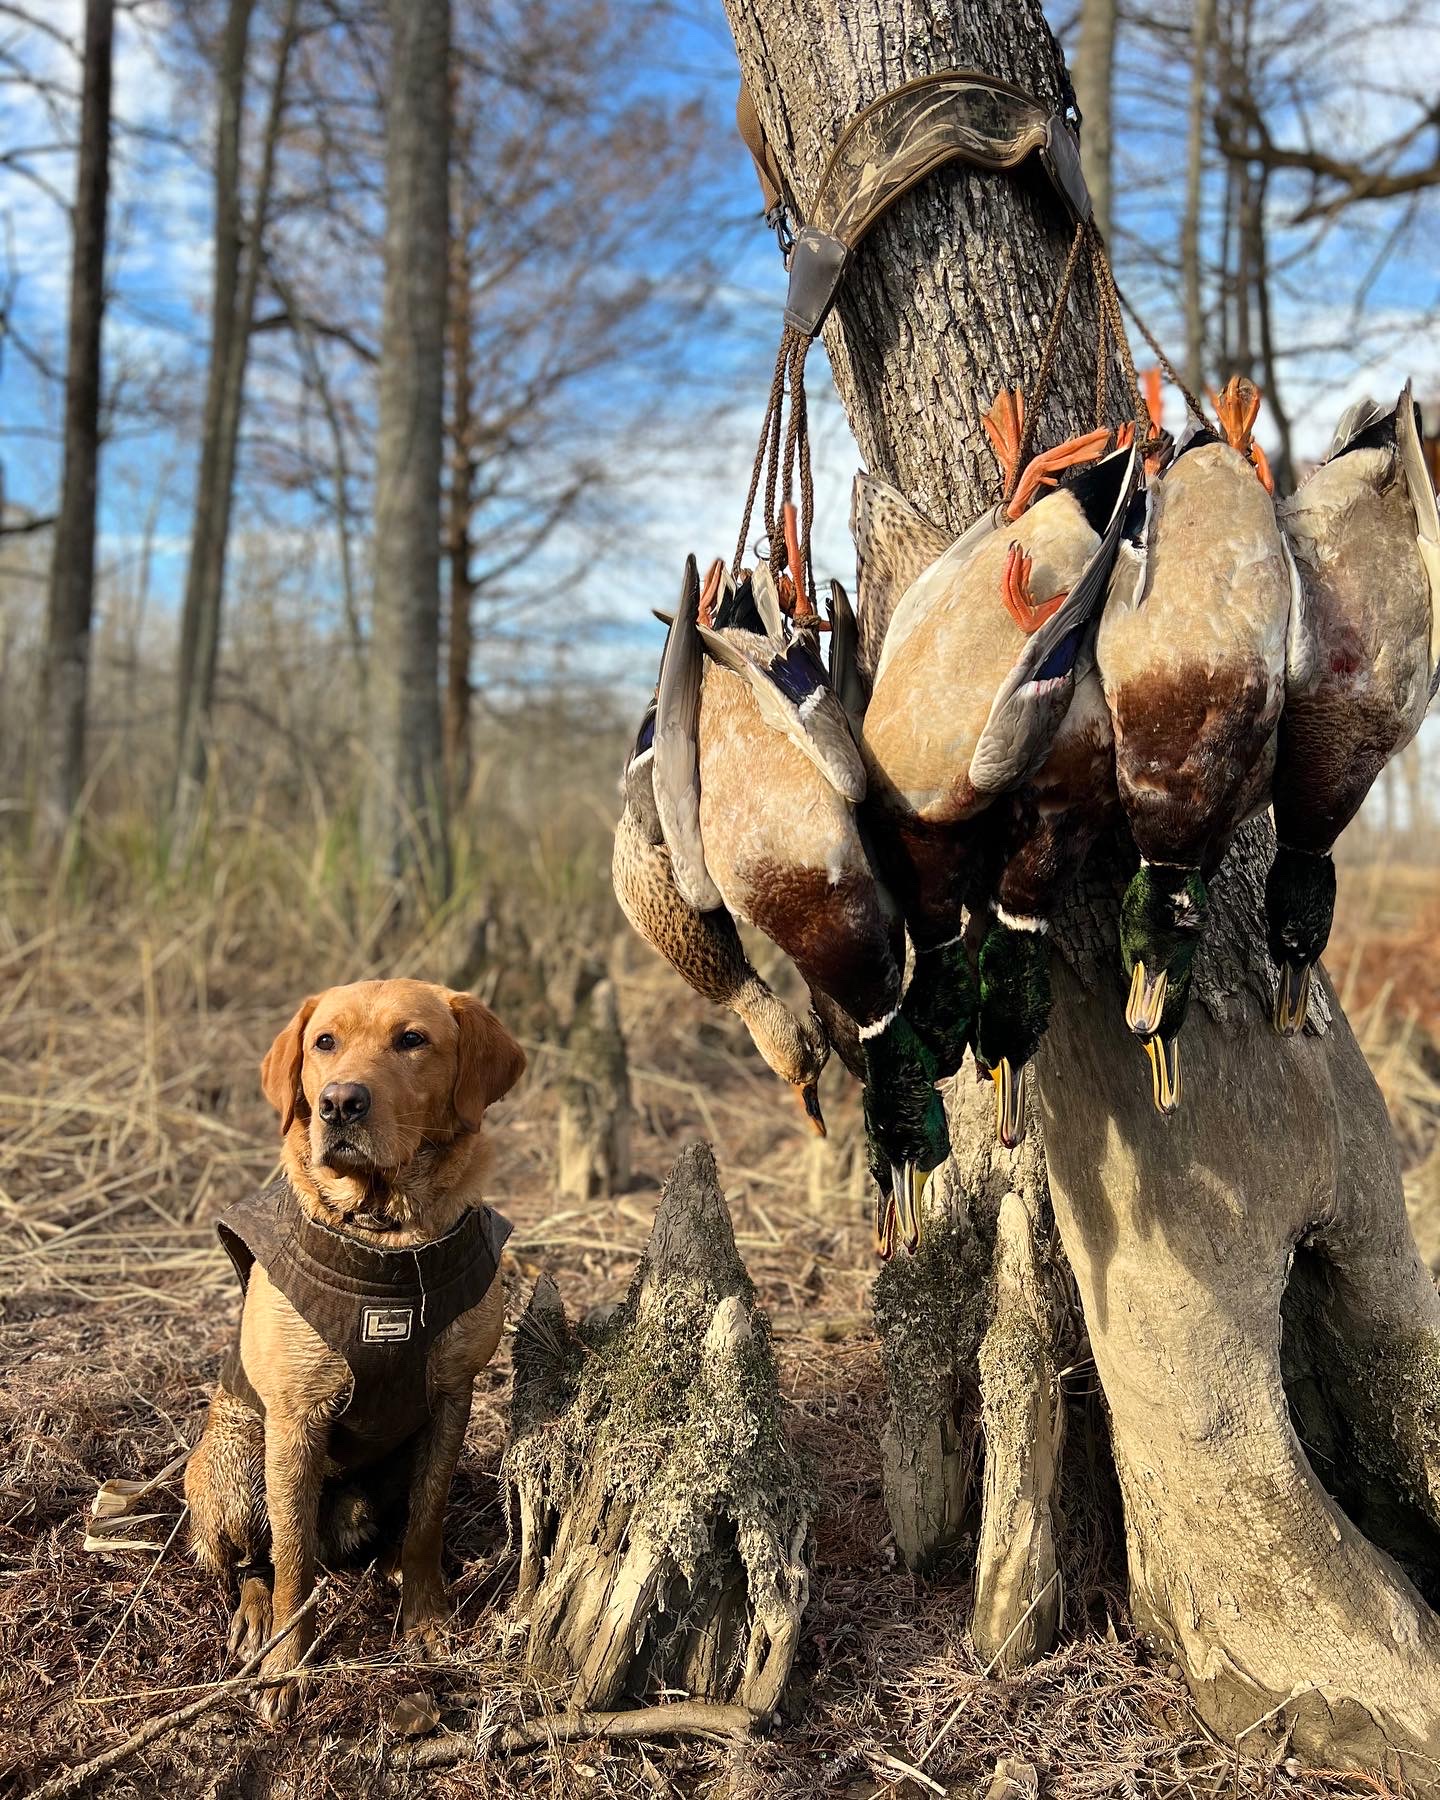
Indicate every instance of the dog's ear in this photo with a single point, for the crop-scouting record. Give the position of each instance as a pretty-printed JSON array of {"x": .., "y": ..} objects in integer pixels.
[
  {"x": 280, "y": 1071},
  {"x": 488, "y": 1061}
]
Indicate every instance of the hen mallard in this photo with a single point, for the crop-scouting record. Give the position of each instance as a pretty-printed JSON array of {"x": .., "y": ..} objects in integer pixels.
[
  {"x": 973, "y": 679},
  {"x": 704, "y": 946},
  {"x": 1365, "y": 534},
  {"x": 757, "y": 777},
  {"x": 1201, "y": 626}
]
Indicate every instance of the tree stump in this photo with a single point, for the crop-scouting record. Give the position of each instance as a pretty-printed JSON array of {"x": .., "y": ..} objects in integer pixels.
[
  {"x": 1273, "y": 1195},
  {"x": 665, "y": 1520},
  {"x": 593, "y": 1159}
]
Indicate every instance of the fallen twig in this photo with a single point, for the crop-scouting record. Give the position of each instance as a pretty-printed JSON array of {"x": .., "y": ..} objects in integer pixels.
[
  {"x": 687, "y": 1718},
  {"x": 71, "y": 1781}
]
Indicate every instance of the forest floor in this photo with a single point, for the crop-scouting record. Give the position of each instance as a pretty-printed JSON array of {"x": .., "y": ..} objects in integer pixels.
[{"x": 130, "y": 1112}]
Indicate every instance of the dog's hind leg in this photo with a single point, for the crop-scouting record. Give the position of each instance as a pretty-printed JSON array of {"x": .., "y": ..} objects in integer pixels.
[
  {"x": 225, "y": 1486},
  {"x": 229, "y": 1530}
]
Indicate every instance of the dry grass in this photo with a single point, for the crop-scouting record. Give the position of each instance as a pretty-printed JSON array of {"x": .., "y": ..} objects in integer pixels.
[{"x": 130, "y": 1026}]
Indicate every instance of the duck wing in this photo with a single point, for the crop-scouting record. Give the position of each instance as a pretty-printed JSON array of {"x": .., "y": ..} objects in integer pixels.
[
  {"x": 637, "y": 784},
  {"x": 1032, "y": 700},
  {"x": 845, "y": 677},
  {"x": 794, "y": 695},
  {"x": 1427, "y": 514},
  {"x": 767, "y": 603},
  {"x": 676, "y": 771},
  {"x": 894, "y": 543},
  {"x": 1354, "y": 422}
]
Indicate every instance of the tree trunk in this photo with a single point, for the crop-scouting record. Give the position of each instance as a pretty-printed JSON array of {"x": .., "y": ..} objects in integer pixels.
[
  {"x": 1202, "y": 31},
  {"x": 232, "y": 312},
  {"x": 1181, "y": 1232},
  {"x": 461, "y": 499},
  {"x": 664, "y": 1518},
  {"x": 593, "y": 1157},
  {"x": 72, "y": 568},
  {"x": 1094, "y": 85},
  {"x": 405, "y": 818}
]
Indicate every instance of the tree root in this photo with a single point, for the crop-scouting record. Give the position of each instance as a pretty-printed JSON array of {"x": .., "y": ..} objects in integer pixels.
[{"x": 686, "y": 1718}]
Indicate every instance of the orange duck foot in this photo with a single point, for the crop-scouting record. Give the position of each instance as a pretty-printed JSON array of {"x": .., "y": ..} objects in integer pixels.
[
  {"x": 1028, "y": 613},
  {"x": 1042, "y": 470},
  {"x": 1238, "y": 407},
  {"x": 710, "y": 593},
  {"x": 1004, "y": 425}
]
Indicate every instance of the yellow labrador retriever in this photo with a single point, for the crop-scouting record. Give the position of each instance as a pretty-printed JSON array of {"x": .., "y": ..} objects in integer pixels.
[{"x": 371, "y": 1302}]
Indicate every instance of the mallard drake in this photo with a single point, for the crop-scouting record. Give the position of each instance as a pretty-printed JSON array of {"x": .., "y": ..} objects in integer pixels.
[
  {"x": 1365, "y": 533},
  {"x": 1201, "y": 624},
  {"x": 704, "y": 947},
  {"x": 973, "y": 678},
  {"x": 1055, "y": 817},
  {"x": 750, "y": 730}
]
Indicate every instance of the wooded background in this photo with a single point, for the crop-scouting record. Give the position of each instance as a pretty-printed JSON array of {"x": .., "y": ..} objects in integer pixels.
[
  {"x": 410, "y": 348},
  {"x": 368, "y": 372}
]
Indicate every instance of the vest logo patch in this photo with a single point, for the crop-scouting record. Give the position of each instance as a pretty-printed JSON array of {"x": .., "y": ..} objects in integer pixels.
[{"x": 386, "y": 1324}]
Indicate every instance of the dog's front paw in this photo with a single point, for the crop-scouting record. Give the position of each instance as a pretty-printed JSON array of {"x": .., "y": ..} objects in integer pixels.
[
  {"x": 250, "y": 1626},
  {"x": 274, "y": 1705}
]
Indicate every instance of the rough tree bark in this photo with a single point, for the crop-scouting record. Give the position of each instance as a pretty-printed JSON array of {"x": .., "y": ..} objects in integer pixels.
[
  {"x": 1275, "y": 1191},
  {"x": 664, "y": 1517},
  {"x": 72, "y": 569},
  {"x": 238, "y": 257},
  {"x": 405, "y": 814}
]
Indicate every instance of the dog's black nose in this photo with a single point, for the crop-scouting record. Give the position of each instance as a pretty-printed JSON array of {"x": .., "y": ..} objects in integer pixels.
[{"x": 343, "y": 1102}]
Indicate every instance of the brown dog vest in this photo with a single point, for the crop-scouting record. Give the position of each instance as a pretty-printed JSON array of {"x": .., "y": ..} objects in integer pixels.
[{"x": 381, "y": 1310}]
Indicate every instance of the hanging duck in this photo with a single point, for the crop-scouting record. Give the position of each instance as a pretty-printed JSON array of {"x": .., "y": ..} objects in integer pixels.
[
  {"x": 757, "y": 778},
  {"x": 1200, "y": 628},
  {"x": 973, "y": 680},
  {"x": 703, "y": 945},
  {"x": 1365, "y": 533}
]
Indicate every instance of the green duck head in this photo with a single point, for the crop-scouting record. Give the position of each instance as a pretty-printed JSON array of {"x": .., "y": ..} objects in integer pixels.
[
  {"x": 940, "y": 1003},
  {"x": 1014, "y": 1011},
  {"x": 1299, "y": 909},
  {"x": 1162, "y": 919},
  {"x": 905, "y": 1131}
]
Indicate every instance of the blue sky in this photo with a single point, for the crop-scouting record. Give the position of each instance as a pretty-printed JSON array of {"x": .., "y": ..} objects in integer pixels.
[{"x": 160, "y": 259}]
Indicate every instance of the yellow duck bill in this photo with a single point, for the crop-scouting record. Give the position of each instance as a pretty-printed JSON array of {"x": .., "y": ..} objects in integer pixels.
[
  {"x": 1164, "y": 1054},
  {"x": 1146, "y": 1002},
  {"x": 1292, "y": 998},
  {"x": 907, "y": 1195},
  {"x": 1009, "y": 1103},
  {"x": 885, "y": 1226}
]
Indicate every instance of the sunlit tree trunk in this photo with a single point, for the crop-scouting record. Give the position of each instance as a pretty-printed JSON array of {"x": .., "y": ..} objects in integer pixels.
[
  {"x": 461, "y": 497},
  {"x": 405, "y": 813},
  {"x": 1094, "y": 87},
  {"x": 238, "y": 256},
  {"x": 1202, "y": 31},
  {"x": 1274, "y": 1192},
  {"x": 72, "y": 569}
]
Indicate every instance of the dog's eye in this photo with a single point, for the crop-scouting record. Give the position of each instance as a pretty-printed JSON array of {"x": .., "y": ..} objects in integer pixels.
[
  {"x": 410, "y": 1040},
  {"x": 324, "y": 1042}
]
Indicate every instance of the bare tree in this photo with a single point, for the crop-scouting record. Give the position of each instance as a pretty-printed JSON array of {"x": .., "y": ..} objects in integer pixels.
[
  {"x": 1201, "y": 32},
  {"x": 1094, "y": 86},
  {"x": 405, "y": 820},
  {"x": 72, "y": 570},
  {"x": 1188, "y": 1239},
  {"x": 239, "y": 257}
]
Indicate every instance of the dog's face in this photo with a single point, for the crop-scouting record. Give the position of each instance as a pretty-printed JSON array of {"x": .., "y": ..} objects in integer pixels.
[{"x": 378, "y": 1069}]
